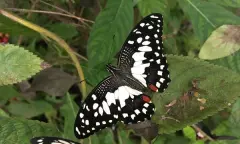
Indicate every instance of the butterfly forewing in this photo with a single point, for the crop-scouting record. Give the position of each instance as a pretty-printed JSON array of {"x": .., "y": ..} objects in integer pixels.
[
  {"x": 51, "y": 140},
  {"x": 142, "y": 54}
]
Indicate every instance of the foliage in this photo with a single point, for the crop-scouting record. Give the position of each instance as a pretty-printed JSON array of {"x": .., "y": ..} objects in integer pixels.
[{"x": 201, "y": 39}]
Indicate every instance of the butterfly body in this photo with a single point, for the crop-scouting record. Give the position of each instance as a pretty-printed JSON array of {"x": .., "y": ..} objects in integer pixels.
[{"x": 125, "y": 77}]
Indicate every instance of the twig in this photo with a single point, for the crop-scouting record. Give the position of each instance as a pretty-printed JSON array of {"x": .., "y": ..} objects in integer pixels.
[
  {"x": 50, "y": 12},
  {"x": 57, "y": 8},
  {"x": 202, "y": 132}
]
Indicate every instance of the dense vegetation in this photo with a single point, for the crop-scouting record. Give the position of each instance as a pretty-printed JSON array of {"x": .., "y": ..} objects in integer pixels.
[{"x": 52, "y": 53}]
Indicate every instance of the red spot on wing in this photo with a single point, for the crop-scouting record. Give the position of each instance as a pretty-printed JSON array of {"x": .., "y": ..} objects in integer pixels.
[
  {"x": 146, "y": 98},
  {"x": 153, "y": 87}
]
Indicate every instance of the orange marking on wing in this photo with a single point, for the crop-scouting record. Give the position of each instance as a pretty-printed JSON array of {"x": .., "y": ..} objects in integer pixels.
[
  {"x": 146, "y": 98},
  {"x": 153, "y": 87}
]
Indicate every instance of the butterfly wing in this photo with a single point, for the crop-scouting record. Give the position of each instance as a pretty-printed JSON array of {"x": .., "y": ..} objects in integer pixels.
[
  {"x": 137, "y": 108},
  {"x": 142, "y": 54},
  {"x": 108, "y": 103},
  {"x": 51, "y": 140}
]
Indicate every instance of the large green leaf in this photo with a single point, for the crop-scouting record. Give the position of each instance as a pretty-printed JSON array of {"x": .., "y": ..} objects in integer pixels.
[
  {"x": 29, "y": 110},
  {"x": 231, "y": 3},
  {"x": 217, "y": 85},
  {"x": 109, "y": 31},
  {"x": 20, "y": 131},
  {"x": 222, "y": 42},
  {"x": 69, "y": 111},
  {"x": 206, "y": 16},
  {"x": 17, "y": 64},
  {"x": 147, "y": 7}
]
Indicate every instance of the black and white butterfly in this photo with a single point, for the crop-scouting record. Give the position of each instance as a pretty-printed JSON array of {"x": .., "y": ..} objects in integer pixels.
[
  {"x": 51, "y": 140},
  {"x": 119, "y": 97}
]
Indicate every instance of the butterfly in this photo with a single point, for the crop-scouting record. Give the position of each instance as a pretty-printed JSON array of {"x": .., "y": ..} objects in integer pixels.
[
  {"x": 51, "y": 140},
  {"x": 119, "y": 97}
]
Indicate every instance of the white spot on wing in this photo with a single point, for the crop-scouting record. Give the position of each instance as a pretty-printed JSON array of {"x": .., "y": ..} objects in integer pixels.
[
  {"x": 96, "y": 114},
  {"x": 146, "y": 43},
  {"x": 144, "y": 110},
  {"x": 139, "y": 69},
  {"x": 95, "y": 106},
  {"x": 115, "y": 116},
  {"x": 125, "y": 115},
  {"x": 146, "y": 105},
  {"x": 76, "y": 128},
  {"x": 137, "y": 63},
  {"x": 156, "y": 53},
  {"x": 131, "y": 42},
  {"x": 160, "y": 73},
  {"x": 150, "y": 27},
  {"x": 81, "y": 115},
  {"x": 137, "y": 111},
  {"x": 161, "y": 67},
  {"x": 147, "y": 37},
  {"x": 97, "y": 123},
  {"x": 133, "y": 116},
  {"x": 105, "y": 107},
  {"x": 158, "y": 61},
  {"x": 138, "y": 56},
  {"x": 162, "y": 80},
  {"x": 158, "y": 84},
  {"x": 110, "y": 98},
  {"x": 87, "y": 122},
  {"x": 155, "y": 35},
  {"x": 139, "y": 40},
  {"x": 142, "y": 24},
  {"x": 153, "y": 16},
  {"x": 100, "y": 110},
  {"x": 94, "y": 97},
  {"x": 145, "y": 48}
]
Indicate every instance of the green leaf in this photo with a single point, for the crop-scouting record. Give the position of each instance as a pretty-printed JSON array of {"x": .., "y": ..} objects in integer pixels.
[
  {"x": 15, "y": 29},
  {"x": 217, "y": 85},
  {"x": 7, "y": 92},
  {"x": 190, "y": 133},
  {"x": 17, "y": 64},
  {"x": 110, "y": 31},
  {"x": 28, "y": 110},
  {"x": 65, "y": 31},
  {"x": 123, "y": 137},
  {"x": 232, "y": 62},
  {"x": 147, "y": 7},
  {"x": 206, "y": 16},
  {"x": 3, "y": 113},
  {"x": 94, "y": 75},
  {"x": 224, "y": 41},
  {"x": 69, "y": 111},
  {"x": 20, "y": 131},
  {"x": 106, "y": 136},
  {"x": 230, "y": 3}
]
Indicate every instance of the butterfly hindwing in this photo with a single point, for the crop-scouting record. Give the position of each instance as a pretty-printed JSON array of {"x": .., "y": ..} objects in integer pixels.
[
  {"x": 99, "y": 109},
  {"x": 51, "y": 140},
  {"x": 142, "y": 54},
  {"x": 111, "y": 101}
]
